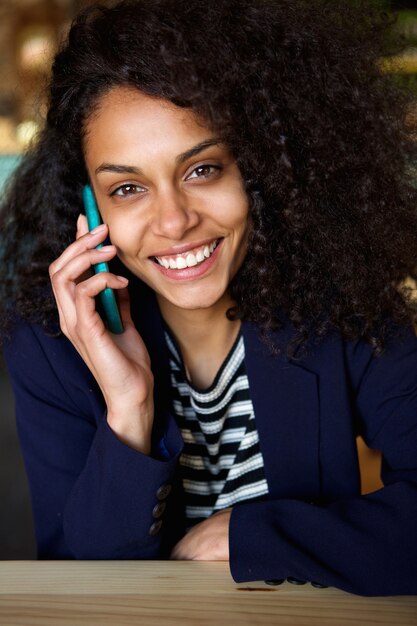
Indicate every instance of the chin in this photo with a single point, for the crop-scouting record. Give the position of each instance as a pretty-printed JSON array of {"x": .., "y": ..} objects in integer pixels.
[
  {"x": 192, "y": 304},
  {"x": 201, "y": 299}
]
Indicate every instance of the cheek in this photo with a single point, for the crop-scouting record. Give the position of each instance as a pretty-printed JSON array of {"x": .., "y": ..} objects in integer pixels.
[
  {"x": 232, "y": 209},
  {"x": 125, "y": 236},
  {"x": 239, "y": 214}
]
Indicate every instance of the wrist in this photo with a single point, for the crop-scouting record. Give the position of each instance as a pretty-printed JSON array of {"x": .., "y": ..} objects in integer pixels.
[{"x": 133, "y": 426}]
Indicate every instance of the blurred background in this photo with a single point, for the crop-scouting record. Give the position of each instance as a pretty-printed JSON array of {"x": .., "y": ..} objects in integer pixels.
[{"x": 30, "y": 32}]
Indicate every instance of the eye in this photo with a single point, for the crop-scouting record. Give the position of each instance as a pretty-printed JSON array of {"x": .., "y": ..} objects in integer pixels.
[
  {"x": 127, "y": 190},
  {"x": 204, "y": 171}
]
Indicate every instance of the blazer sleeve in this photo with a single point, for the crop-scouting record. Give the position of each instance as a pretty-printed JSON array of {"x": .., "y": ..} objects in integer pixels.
[
  {"x": 93, "y": 497},
  {"x": 365, "y": 544}
]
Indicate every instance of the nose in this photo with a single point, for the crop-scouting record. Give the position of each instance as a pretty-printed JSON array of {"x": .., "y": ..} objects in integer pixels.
[{"x": 173, "y": 215}]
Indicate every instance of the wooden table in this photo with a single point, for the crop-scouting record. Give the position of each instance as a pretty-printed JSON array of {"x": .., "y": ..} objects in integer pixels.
[{"x": 176, "y": 593}]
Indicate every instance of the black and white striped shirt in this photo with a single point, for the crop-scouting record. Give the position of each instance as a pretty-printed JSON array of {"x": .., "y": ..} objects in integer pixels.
[{"x": 221, "y": 462}]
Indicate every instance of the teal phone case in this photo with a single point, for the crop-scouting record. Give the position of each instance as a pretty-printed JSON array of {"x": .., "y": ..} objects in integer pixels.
[{"x": 107, "y": 297}]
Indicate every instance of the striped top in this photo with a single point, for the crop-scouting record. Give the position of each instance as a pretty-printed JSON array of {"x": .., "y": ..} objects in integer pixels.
[{"x": 221, "y": 463}]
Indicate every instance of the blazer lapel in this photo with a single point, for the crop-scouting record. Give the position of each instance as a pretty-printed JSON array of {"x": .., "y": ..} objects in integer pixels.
[
  {"x": 284, "y": 396},
  {"x": 286, "y": 405}
]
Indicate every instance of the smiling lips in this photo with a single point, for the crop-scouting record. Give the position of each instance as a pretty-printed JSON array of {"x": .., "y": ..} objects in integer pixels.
[{"x": 190, "y": 258}]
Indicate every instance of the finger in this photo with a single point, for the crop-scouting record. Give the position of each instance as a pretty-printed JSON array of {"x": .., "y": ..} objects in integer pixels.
[
  {"x": 175, "y": 554},
  {"x": 78, "y": 265},
  {"x": 65, "y": 280},
  {"x": 87, "y": 291},
  {"x": 82, "y": 226},
  {"x": 85, "y": 242}
]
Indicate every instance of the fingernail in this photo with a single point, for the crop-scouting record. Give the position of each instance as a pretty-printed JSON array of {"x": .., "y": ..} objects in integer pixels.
[
  {"x": 123, "y": 279},
  {"x": 98, "y": 229}
]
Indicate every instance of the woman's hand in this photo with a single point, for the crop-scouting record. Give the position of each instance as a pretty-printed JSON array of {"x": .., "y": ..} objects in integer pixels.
[
  {"x": 119, "y": 363},
  {"x": 207, "y": 541}
]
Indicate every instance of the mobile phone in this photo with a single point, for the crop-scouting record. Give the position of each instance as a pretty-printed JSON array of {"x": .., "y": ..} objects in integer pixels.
[{"x": 108, "y": 299}]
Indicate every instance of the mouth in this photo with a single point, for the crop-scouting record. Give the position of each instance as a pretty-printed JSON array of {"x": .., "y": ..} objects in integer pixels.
[{"x": 191, "y": 258}]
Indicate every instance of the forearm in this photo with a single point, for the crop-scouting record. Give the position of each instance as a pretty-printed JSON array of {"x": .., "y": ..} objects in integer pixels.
[
  {"x": 365, "y": 545},
  {"x": 110, "y": 511}
]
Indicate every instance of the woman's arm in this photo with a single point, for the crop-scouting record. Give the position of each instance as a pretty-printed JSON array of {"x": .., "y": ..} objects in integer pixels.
[
  {"x": 366, "y": 544},
  {"x": 119, "y": 363},
  {"x": 93, "y": 496},
  {"x": 95, "y": 480}
]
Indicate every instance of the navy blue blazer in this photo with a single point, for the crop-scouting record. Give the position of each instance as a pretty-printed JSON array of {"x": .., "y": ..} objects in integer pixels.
[{"x": 96, "y": 498}]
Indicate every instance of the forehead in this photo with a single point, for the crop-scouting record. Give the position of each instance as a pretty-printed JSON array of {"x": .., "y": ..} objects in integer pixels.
[{"x": 125, "y": 116}]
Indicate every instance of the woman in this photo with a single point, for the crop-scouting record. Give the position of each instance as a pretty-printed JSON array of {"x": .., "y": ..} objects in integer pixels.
[{"x": 250, "y": 164}]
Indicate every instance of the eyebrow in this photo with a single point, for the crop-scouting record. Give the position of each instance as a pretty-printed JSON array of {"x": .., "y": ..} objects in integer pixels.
[
  {"x": 130, "y": 169},
  {"x": 197, "y": 149}
]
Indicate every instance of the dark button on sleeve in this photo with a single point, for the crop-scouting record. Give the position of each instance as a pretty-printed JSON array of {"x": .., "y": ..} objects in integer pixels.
[
  {"x": 158, "y": 509},
  {"x": 296, "y": 581},
  {"x": 155, "y": 528},
  {"x": 275, "y": 581},
  {"x": 163, "y": 491}
]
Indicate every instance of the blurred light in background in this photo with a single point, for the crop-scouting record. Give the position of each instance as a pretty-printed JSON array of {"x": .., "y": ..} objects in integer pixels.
[
  {"x": 30, "y": 33},
  {"x": 406, "y": 63},
  {"x": 26, "y": 132},
  {"x": 37, "y": 48}
]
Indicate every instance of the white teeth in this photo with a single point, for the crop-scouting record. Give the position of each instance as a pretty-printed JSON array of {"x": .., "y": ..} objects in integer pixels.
[{"x": 190, "y": 260}]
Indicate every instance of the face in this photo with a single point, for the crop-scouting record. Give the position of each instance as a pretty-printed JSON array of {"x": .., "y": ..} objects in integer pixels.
[{"x": 171, "y": 194}]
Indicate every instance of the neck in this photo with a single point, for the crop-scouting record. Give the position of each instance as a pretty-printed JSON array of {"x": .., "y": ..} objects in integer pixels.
[{"x": 204, "y": 336}]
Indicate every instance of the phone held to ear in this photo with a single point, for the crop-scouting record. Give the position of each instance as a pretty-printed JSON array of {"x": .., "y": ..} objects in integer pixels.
[{"x": 107, "y": 297}]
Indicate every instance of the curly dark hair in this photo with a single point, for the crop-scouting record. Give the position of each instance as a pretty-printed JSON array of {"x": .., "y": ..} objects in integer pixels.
[{"x": 296, "y": 90}]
